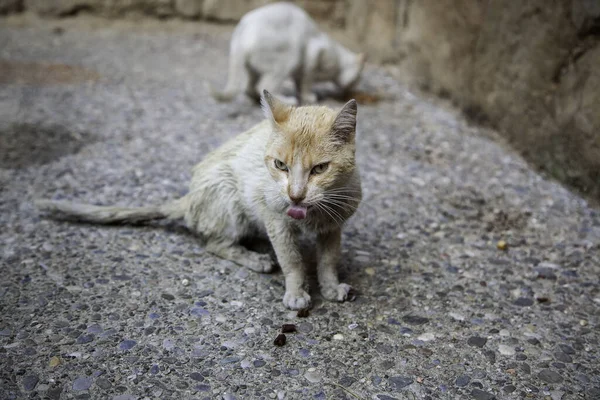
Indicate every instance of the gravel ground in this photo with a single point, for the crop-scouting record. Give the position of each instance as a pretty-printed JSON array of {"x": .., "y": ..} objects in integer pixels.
[{"x": 119, "y": 113}]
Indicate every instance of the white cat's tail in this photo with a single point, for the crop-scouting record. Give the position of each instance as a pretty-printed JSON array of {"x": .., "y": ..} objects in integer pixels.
[
  {"x": 111, "y": 214},
  {"x": 237, "y": 74}
]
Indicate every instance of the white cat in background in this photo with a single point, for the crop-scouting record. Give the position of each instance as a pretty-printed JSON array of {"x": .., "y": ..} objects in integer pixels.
[{"x": 280, "y": 41}]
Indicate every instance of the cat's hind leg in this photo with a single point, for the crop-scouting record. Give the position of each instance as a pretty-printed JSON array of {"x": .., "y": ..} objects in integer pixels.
[
  {"x": 240, "y": 255},
  {"x": 304, "y": 78},
  {"x": 251, "y": 90}
]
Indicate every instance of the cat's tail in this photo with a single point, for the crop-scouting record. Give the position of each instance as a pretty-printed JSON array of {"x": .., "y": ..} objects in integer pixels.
[{"x": 111, "y": 214}]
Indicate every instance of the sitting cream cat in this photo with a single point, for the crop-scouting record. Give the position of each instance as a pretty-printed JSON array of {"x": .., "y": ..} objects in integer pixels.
[
  {"x": 278, "y": 42},
  {"x": 293, "y": 173}
]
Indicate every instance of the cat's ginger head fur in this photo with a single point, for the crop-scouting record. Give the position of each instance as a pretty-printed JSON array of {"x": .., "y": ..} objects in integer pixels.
[{"x": 311, "y": 149}]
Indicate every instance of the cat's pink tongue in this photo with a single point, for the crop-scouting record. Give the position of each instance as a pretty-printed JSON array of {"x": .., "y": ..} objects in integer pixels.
[{"x": 297, "y": 212}]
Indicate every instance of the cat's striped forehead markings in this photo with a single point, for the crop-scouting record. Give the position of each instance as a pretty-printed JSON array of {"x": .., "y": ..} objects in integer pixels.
[{"x": 306, "y": 130}]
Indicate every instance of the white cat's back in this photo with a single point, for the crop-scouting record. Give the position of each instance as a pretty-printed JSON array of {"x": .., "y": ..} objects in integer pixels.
[
  {"x": 274, "y": 32},
  {"x": 281, "y": 18}
]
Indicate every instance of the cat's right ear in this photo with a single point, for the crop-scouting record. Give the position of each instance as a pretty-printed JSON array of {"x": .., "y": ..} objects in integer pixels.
[
  {"x": 344, "y": 126},
  {"x": 275, "y": 111}
]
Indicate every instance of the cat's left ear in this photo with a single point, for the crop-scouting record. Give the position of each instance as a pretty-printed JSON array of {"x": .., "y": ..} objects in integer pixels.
[
  {"x": 275, "y": 110},
  {"x": 344, "y": 126}
]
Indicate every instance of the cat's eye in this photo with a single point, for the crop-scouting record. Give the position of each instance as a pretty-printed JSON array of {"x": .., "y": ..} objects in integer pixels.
[
  {"x": 319, "y": 169},
  {"x": 280, "y": 165}
]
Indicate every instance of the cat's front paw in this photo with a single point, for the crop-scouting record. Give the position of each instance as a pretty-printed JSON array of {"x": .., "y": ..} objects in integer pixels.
[
  {"x": 340, "y": 292},
  {"x": 296, "y": 300},
  {"x": 262, "y": 263}
]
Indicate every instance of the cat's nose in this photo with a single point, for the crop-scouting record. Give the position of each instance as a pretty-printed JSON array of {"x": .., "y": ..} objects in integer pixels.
[{"x": 296, "y": 198}]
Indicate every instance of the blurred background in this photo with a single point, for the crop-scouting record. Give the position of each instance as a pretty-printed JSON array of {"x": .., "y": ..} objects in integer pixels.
[{"x": 528, "y": 69}]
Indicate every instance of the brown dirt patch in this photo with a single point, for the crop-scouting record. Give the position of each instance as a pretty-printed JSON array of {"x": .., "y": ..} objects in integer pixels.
[{"x": 12, "y": 72}]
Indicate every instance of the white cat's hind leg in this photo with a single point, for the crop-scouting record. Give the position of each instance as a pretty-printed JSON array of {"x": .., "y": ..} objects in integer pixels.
[
  {"x": 240, "y": 255},
  {"x": 251, "y": 90}
]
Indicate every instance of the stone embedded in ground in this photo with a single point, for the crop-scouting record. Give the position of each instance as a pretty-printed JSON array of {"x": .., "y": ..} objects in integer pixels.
[
  {"x": 547, "y": 375},
  {"x": 399, "y": 382},
  {"x": 127, "y": 344},
  {"x": 506, "y": 350},
  {"x": 477, "y": 341},
  {"x": 479, "y": 394},
  {"x": 523, "y": 302},
  {"x": 313, "y": 376},
  {"x": 82, "y": 383},
  {"x": 462, "y": 380},
  {"x": 30, "y": 382},
  {"x": 197, "y": 376},
  {"x": 346, "y": 381},
  {"x": 415, "y": 320},
  {"x": 566, "y": 349},
  {"x": 385, "y": 397},
  {"x": 103, "y": 383}
]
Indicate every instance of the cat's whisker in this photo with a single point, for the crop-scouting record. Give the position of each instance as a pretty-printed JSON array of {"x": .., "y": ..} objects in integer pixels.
[
  {"x": 322, "y": 207},
  {"x": 342, "y": 191},
  {"x": 326, "y": 206},
  {"x": 344, "y": 204},
  {"x": 343, "y": 198}
]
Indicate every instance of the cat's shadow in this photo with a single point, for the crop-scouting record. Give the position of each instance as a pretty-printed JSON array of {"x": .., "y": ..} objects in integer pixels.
[{"x": 259, "y": 245}]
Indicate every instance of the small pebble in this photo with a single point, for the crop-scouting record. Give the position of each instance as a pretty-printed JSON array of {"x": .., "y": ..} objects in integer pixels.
[
  {"x": 502, "y": 245},
  {"x": 82, "y": 383},
  {"x": 168, "y": 296},
  {"x": 54, "y": 362},
  {"x": 127, "y": 344},
  {"x": 313, "y": 376},
  {"x": 506, "y": 350},
  {"x": 303, "y": 313},
  {"x": 338, "y": 336},
  {"x": 477, "y": 341},
  {"x": 305, "y": 327},
  {"x": 462, "y": 380},
  {"x": 457, "y": 316},
  {"x": 426, "y": 337},
  {"x": 550, "y": 376},
  {"x": 30, "y": 382},
  {"x": 399, "y": 382},
  {"x": 185, "y": 282}
]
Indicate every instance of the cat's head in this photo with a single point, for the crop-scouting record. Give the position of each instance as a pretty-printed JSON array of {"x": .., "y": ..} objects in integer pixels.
[
  {"x": 310, "y": 153},
  {"x": 350, "y": 71}
]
